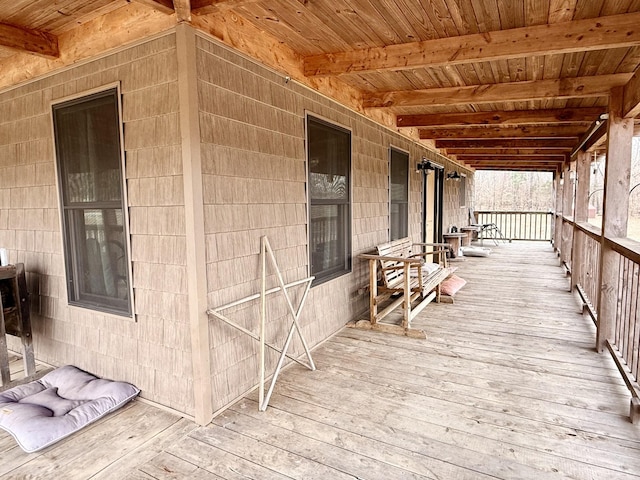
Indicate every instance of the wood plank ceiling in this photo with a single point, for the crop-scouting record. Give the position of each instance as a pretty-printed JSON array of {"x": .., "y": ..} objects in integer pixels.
[{"x": 495, "y": 84}]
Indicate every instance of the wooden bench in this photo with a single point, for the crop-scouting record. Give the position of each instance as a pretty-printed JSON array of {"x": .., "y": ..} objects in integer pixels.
[{"x": 399, "y": 274}]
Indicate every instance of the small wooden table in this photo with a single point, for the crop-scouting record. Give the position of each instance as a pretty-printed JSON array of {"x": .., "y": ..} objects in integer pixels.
[
  {"x": 455, "y": 240},
  {"x": 15, "y": 319},
  {"x": 472, "y": 232}
]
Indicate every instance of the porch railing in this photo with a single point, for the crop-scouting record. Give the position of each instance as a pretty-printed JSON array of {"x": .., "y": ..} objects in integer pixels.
[
  {"x": 587, "y": 275},
  {"x": 519, "y": 225},
  {"x": 624, "y": 344}
]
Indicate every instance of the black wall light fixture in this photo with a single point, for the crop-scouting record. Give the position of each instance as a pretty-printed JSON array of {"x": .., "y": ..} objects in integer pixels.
[{"x": 425, "y": 166}]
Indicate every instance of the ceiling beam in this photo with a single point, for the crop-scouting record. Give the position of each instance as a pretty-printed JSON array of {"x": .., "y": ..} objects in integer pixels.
[
  {"x": 183, "y": 10},
  {"x": 631, "y": 97},
  {"x": 525, "y": 131},
  {"x": 25, "y": 40},
  {"x": 598, "y": 137},
  {"x": 495, "y": 152},
  {"x": 616, "y": 31},
  {"x": 204, "y": 7},
  {"x": 576, "y": 87},
  {"x": 552, "y": 167},
  {"x": 512, "y": 158},
  {"x": 512, "y": 117},
  {"x": 509, "y": 143},
  {"x": 163, "y": 6}
]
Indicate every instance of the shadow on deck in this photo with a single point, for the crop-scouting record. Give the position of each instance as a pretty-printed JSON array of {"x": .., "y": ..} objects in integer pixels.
[{"x": 507, "y": 385}]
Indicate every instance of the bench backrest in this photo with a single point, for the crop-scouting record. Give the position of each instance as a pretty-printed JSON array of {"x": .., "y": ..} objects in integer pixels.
[{"x": 395, "y": 248}]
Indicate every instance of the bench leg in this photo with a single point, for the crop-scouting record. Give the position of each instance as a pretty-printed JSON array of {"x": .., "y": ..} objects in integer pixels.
[
  {"x": 373, "y": 291},
  {"x": 406, "y": 321}
]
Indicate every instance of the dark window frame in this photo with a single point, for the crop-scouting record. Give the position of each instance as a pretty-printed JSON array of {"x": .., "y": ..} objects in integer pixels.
[
  {"x": 109, "y": 231},
  {"x": 343, "y": 207},
  {"x": 403, "y": 205}
]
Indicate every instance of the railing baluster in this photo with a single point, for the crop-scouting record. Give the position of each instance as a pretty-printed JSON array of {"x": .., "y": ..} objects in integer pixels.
[{"x": 632, "y": 313}]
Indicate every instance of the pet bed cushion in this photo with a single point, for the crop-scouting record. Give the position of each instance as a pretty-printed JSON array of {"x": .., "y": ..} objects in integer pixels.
[
  {"x": 62, "y": 402},
  {"x": 476, "y": 251}
]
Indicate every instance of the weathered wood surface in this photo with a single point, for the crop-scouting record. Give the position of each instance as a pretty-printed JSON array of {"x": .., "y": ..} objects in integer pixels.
[{"x": 506, "y": 385}]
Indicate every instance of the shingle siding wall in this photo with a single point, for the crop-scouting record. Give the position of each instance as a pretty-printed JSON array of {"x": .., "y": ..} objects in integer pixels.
[
  {"x": 154, "y": 352},
  {"x": 253, "y": 150},
  {"x": 252, "y": 132}
]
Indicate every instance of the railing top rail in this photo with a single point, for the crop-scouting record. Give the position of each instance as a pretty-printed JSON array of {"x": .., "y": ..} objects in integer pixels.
[
  {"x": 537, "y": 212},
  {"x": 589, "y": 230},
  {"x": 626, "y": 247}
]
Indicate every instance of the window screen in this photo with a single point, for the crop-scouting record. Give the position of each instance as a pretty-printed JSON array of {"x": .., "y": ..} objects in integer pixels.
[
  {"x": 329, "y": 164},
  {"x": 88, "y": 150}
]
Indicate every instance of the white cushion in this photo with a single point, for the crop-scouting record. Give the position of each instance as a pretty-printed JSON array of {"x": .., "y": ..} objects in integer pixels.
[{"x": 62, "y": 402}]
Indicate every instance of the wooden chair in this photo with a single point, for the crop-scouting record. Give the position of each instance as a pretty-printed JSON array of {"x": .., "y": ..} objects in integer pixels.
[{"x": 486, "y": 230}]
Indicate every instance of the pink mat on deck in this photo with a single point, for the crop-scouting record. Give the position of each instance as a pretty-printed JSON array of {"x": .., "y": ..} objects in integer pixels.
[{"x": 451, "y": 285}]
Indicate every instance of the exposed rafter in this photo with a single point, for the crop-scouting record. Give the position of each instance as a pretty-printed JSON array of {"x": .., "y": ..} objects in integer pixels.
[
  {"x": 497, "y": 152},
  {"x": 632, "y": 96},
  {"x": 29, "y": 41},
  {"x": 204, "y": 7},
  {"x": 183, "y": 10},
  {"x": 543, "y": 167},
  {"x": 164, "y": 6},
  {"x": 509, "y": 143},
  {"x": 525, "y": 131},
  {"x": 576, "y": 36},
  {"x": 513, "y": 117},
  {"x": 594, "y": 86},
  {"x": 598, "y": 137},
  {"x": 511, "y": 158}
]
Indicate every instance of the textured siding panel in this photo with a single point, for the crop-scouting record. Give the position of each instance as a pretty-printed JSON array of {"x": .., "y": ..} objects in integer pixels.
[
  {"x": 253, "y": 132},
  {"x": 154, "y": 351}
]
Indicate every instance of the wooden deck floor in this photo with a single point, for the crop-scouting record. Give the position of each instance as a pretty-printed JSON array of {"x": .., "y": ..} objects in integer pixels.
[{"x": 507, "y": 385}]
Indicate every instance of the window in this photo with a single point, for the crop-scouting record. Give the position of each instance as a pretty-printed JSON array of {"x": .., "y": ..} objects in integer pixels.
[
  {"x": 329, "y": 164},
  {"x": 90, "y": 173},
  {"x": 398, "y": 194}
]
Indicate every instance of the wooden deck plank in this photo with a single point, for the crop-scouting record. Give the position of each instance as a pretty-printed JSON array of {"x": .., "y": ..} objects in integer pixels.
[
  {"x": 507, "y": 385},
  {"x": 148, "y": 450},
  {"x": 411, "y": 434},
  {"x": 512, "y": 374},
  {"x": 273, "y": 457},
  {"x": 424, "y": 403},
  {"x": 165, "y": 466},
  {"x": 225, "y": 465},
  {"x": 495, "y": 390},
  {"x": 92, "y": 449}
]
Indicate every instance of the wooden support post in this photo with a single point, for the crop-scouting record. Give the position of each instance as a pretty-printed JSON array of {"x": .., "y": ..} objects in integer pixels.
[
  {"x": 557, "y": 234},
  {"x": 615, "y": 212},
  {"x": 194, "y": 223},
  {"x": 567, "y": 210},
  {"x": 580, "y": 214}
]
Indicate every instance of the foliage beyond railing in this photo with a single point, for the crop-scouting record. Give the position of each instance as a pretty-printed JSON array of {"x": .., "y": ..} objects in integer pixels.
[{"x": 519, "y": 225}]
